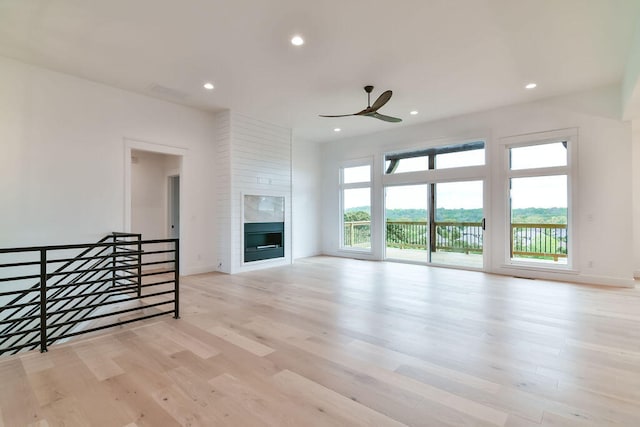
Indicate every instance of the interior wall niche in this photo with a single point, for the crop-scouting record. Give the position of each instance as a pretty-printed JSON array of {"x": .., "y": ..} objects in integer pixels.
[{"x": 263, "y": 227}]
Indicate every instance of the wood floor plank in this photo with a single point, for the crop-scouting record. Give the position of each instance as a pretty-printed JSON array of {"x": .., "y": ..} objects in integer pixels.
[
  {"x": 241, "y": 341},
  {"x": 196, "y": 346},
  {"x": 330, "y": 402},
  {"x": 393, "y": 360}
]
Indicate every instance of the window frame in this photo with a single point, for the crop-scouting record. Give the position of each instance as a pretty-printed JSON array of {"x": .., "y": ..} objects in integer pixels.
[
  {"x": 354, "y": 185},
  {"x": 434, "y": 151},
  {"x": 570, "y": 170}
]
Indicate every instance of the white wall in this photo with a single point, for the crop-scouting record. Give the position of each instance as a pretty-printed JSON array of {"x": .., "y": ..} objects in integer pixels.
[
  {"x": 62, "y": 163},
  {"x": 253, "y": 157},
  {"x": 631, "y": 81},
  {"x": 306, "y": 184},
  {"x": 635, "y": 196},
  {"x": 603, "y": 211}
]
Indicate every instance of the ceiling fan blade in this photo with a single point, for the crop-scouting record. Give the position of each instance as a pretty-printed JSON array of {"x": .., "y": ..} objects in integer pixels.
[
  {"x": 385, "y": 118},
  {"x": 341, "y": 115},
  {"x": 382, "y": 99}
]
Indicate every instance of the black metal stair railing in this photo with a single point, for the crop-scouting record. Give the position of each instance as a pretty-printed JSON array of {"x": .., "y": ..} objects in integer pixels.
[
  {"x": 18, "y": 328},
  {"x": 68, "y": 300}
]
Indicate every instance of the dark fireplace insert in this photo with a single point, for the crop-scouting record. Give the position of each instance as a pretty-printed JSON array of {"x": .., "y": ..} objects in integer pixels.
[{"x": 263, "y": 240}]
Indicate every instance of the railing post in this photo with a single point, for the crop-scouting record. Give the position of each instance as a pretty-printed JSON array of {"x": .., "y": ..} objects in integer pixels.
[
  {"x": 43, "y": 300},
  {"x": 113, "y": 261},
  {"x": 176, "y": 278},
  {"x": 139, "y": 236}
]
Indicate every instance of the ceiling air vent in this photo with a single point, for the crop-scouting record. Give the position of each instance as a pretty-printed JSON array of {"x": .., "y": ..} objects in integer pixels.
[{"x": 167, "y": 92}]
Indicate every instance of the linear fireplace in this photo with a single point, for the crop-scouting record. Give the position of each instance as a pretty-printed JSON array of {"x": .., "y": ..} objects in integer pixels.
[
  {"x": 263, "y": 227},
  {"x": 263, "y": 240}
]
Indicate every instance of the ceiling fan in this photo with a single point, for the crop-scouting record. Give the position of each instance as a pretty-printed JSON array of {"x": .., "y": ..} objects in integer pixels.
[{"x": 372, "y": 110}]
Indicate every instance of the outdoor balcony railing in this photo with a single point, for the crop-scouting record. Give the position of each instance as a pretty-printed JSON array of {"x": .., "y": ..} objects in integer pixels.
[{"x": 538, "y": 241}]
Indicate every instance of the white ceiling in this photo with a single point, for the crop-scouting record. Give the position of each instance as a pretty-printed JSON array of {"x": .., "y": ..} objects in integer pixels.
[{"x": 440, "y": 57}]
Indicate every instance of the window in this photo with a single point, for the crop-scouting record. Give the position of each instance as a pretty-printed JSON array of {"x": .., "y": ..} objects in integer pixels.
[
  {"x": 356, "y": 174},
  {"x": 355, "y": 183},
  {"x": 539, "y": 180},
  {"x": 443, "y": 157},
  {"x": 538, "y": 156}
]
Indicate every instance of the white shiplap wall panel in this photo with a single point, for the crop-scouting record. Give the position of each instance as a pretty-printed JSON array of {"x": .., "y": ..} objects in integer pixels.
[
  {"x": 254, "y": 158},
  {"x": 223, "y": 190}
]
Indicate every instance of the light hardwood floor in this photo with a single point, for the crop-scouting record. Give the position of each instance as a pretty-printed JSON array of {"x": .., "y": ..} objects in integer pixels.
[{"x": 330, "y": 341}]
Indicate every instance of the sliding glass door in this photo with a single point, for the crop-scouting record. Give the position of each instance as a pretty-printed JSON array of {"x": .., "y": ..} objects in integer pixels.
[
  {"x": 439, "y": 223},
  {"x": 458, "y": 228},
  {"x": 407, "y": 222}
]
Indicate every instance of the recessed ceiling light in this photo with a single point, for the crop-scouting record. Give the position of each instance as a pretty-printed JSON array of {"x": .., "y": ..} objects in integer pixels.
[
  {"x": 413, "y": 113},
  {"x": 337, "y": 130},
  {"x": 297, "y": 41},
  {"x": 208, "y": 86},
  {"x": 531, "y": 86}
]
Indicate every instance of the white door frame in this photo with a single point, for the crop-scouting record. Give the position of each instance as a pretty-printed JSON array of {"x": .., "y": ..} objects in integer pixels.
[{"x": 129, "y": 146}]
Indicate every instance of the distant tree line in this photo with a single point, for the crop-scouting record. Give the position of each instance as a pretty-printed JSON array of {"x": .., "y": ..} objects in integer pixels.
[{"x": 525, "y": 215}]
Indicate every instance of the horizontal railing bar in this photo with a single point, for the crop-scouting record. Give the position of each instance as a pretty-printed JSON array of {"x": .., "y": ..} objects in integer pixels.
[
  {"x": 124, "y": 293},
  {"x": 13, "y": 334},
  {"x": 88, "y": 258},
  {"x": 113, "y": 313},
  {"x": 69, "y": 310},
  {"x": 19, "y": 319},
  {"x": 20, "y": 264},
  {"x": 22, "y": 291},
  {"x": 462, "y": 224},
  {"x": 118, "y": 278},
  {"x": 148, "y": 285},
  {"x": 533, "y": 226},
  {"x": 166, "y": 251},
  {"x": 155, "y": 273},
  {"x": 23, "y": 305},
  {"x": 125, "y": 250},
  {"x": 88, "y": 270},
  {"x": 545, "y": 254},
  {"x": 32, "y": 344},
  {"x": 157, "y": 262},
  {"x": 119, "y": 258},
  {"x": 99, "y": 328},
  {"x": 10, "y": 279},
  {"x": 119, "y": 289},
  {"x": 91, "y": 282},
  {"x": 83, "y": 295},
  {"x": 85, "y": 283},
  {"x": 85, "y": 245}
]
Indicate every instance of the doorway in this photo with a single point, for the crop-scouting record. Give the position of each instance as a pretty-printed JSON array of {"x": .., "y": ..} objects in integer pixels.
[
  {"x": 155, "y": 194},
  {"x": 436, "y": 223}
]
